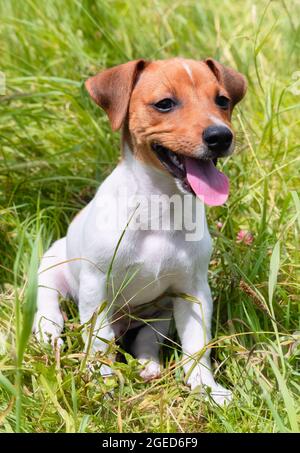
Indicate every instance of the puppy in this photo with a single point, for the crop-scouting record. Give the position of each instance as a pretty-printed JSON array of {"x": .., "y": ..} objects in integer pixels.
[{"x": 126, "y": 272}]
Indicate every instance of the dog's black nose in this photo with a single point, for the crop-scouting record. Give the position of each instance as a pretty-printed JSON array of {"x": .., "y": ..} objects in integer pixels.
[{"x": 217, "y": 138}]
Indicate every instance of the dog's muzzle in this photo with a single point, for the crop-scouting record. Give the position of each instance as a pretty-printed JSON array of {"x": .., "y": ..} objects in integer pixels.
[{"x": 218, "y": 139}]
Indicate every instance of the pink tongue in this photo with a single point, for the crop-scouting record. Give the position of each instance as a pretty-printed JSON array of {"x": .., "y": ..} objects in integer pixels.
[{"x": 207, "y": 182}]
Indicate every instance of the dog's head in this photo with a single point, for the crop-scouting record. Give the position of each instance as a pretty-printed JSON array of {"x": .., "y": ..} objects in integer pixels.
[{"x": 176, "y": 114}]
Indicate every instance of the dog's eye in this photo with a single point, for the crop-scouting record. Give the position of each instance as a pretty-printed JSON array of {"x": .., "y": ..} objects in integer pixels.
[
  {"x": 165, "y": 105},
  {"x": 223, "y": 102}
]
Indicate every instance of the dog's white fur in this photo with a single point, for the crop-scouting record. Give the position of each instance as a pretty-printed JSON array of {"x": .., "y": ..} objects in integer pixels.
[{"x": 163, "y": 261}]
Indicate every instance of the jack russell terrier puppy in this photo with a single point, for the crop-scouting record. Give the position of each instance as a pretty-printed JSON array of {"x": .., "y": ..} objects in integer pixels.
[{"x": 175, "y": 118}]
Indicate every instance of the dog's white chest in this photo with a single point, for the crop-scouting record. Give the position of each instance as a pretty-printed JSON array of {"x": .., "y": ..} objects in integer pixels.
[
  {"x": 145, "y": 262},
  {"x": 148, "y": 264}
]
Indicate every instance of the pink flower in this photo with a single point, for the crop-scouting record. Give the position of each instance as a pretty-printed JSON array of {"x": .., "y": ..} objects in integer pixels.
[
  {"x": 244, "y": 237},
  {"x": 219, "y": 225}
]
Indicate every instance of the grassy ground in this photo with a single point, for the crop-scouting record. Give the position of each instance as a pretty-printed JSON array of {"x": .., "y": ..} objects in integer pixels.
[{"x": 55, "y": 148}]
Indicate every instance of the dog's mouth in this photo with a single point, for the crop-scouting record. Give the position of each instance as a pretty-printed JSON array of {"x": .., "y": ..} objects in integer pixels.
[{"x": 199, "y": 176}]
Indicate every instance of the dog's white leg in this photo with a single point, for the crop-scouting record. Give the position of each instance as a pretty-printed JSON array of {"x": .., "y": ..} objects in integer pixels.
[
  {"x": 52, "y": 283},
  {"x": 193, "y": 322},
  {"x": 146, "y": 347},
  {"x": 92, "y": 299}
]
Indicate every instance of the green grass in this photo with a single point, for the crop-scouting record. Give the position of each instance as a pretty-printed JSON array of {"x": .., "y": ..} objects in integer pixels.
[{"x": 56, "y": 147}]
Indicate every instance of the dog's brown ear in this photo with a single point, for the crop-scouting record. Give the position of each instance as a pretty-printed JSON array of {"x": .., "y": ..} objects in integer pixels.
[
  {"x": 111, "y": 89},
  {"x": 233, "y": 81}
]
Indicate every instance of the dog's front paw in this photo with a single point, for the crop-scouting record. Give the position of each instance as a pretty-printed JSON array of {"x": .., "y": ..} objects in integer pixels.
[
  {"x": 219, "y": 395},
  {"x": 203, "y": 380},
  {"x": 100, "y": 369},
  {"x": 47, "y": 331},
  {"x": 106, "y": 371},
  {"x": 151, "y": 370}
]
